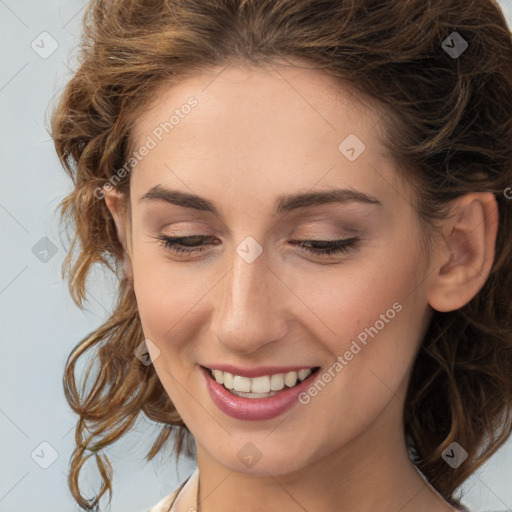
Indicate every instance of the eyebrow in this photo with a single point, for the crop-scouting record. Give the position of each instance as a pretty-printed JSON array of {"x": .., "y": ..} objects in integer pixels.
[{"x": 284, "y": 203}]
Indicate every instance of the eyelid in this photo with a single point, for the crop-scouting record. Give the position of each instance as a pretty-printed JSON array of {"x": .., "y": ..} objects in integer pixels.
[{"x": 175, "y": 245}]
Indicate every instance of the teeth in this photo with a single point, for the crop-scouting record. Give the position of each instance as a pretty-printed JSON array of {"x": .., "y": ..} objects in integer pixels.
[
  {"x": 277, "y": 382},
  {"x": 254, "y": 395},
  {"x": 228, "y": 380},
  {"x": 303, "y": 374},
  {"x": 219, "y": 376},
  {"x": 242, "y": 384},
  {"x": 260, "y": 385},
  {"x": 290, "y": 379}
]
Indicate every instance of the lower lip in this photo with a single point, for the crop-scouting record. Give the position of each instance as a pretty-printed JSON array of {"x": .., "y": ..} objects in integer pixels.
[{"x": 253, "y": 409}]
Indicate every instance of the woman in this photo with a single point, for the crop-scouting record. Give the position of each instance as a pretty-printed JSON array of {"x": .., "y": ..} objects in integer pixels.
[{"x": 308, "y": 208}]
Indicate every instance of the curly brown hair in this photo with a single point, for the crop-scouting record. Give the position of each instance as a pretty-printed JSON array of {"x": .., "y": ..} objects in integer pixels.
[{"x": 447, "y": 124}]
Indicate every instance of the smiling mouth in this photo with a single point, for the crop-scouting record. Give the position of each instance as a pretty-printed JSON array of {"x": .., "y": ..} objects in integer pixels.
[{"x": 264, "y": 386}]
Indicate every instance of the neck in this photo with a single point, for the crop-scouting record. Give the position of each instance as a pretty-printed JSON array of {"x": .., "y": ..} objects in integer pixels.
[{"x": 371, "y": 472}]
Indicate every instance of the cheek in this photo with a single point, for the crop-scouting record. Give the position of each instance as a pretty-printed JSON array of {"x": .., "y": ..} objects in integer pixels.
[
  {"x": 370, "y": 313},
  {"x": 168, "y": 295},
  {"x": 372, "y": 319},
  {"x": 350, "y": 297}
]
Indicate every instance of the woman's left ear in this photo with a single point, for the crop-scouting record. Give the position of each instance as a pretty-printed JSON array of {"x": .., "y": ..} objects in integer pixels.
[{"x": 465, "y": 256}]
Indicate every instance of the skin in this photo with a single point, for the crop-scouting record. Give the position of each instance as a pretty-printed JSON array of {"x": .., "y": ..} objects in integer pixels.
[{"x": 255, "y": 134}]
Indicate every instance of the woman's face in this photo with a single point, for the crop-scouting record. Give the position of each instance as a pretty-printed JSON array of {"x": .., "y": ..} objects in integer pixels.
[{"x": 238, "y": 148}]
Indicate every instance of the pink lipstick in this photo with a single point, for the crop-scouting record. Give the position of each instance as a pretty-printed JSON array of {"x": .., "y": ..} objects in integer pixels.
[{"x": 254, "y": 409}]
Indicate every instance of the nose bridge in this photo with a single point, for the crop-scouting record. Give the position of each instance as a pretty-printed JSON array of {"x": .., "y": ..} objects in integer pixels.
[{"x": 248, "y": 314}]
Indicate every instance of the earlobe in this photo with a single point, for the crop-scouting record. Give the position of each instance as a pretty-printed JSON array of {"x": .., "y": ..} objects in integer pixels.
[
  {"x": 466, "y": 254},
  {"x": 119, "y": 209}
]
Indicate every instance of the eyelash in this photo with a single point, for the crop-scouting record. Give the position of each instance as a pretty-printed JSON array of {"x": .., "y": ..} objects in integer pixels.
[{"x": 330, "y": 246}]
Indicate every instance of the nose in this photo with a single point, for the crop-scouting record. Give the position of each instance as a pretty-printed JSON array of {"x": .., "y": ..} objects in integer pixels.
[{"x": 250, "y": 306}]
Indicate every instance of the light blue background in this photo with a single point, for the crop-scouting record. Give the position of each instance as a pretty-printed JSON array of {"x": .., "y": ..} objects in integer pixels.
[{"x": 39, "y": 323}]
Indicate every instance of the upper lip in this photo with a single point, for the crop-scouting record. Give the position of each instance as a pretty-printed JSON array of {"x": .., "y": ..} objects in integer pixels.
[{"x": 257, "y": 371}]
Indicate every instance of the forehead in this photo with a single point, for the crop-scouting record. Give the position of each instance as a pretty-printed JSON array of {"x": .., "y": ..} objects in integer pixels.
[
  {"x": 252, "y": 129},
  {"x": 242, "y": 94}
]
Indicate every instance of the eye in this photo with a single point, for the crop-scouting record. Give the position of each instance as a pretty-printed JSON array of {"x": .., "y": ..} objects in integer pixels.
[
  {"x": 327, "y": 247},
  {"x": 180, "y": 245},
  {"x": 189, "y": 244}
]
